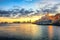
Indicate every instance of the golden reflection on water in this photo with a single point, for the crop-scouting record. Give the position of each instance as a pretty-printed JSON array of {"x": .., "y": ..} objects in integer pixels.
[
  {"x": 50, "y": 32},
  {"x": 21, "y": 30},
  {"x": 26, "y": 30}
]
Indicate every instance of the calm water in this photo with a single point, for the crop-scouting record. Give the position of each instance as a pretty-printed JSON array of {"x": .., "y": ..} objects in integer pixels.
[{"x": 29, "y": 32}]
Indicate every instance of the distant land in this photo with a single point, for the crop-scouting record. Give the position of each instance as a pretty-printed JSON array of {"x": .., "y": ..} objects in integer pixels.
[{"x": 47, "y": 19}]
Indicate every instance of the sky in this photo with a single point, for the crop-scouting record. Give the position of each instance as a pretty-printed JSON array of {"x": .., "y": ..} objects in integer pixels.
[
  {"x": 52, "y": 6},
  {"x": 5, "y": 4},
  {"x": 40, "y": 5},
  {"x": 27, "y": 4}
]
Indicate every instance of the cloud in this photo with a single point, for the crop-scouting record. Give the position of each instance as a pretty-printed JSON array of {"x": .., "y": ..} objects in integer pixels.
[
  {"x": 15, "y": 12},
  {"x": 48, "y": 6},
  {"x": 43, "y": 6},
  {"x": 57, "y": 8}
]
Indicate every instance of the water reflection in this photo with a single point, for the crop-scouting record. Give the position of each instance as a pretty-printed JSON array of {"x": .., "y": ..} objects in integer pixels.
[
  {"x": 50, "y": 32},
  {"x": 29, "y": 32},
  {"x": 21, "y": 30}
]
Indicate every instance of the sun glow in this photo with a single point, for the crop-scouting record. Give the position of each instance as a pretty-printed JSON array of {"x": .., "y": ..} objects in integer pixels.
[{"x": 21, "y": 19}]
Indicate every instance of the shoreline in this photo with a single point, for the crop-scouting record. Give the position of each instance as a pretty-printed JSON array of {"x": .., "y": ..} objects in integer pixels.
[{"x": 31, "y": 23}]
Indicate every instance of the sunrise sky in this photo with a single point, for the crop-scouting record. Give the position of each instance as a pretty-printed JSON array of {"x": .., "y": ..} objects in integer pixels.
[{"x": 27, "y": 8}]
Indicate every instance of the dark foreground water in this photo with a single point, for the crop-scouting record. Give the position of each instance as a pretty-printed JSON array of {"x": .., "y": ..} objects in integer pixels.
[{"x": 29, "y": 32}]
